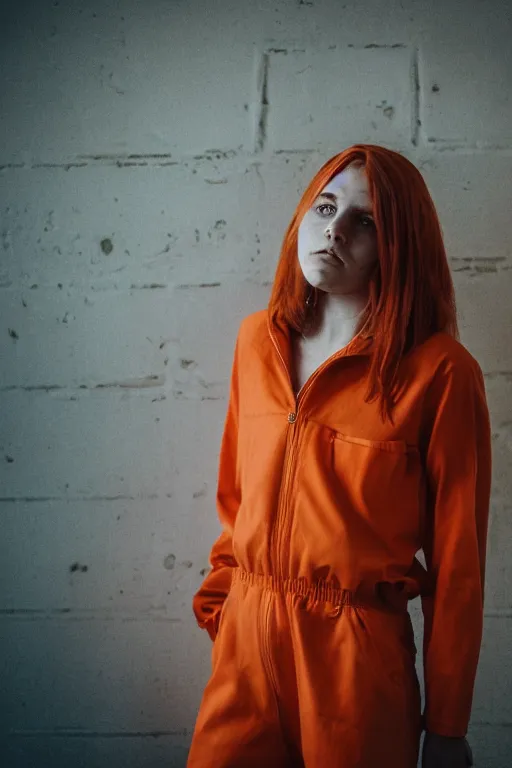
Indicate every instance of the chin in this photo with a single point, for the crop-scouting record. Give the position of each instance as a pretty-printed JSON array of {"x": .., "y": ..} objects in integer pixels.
[
  {"x": 319, "y": 278},
  {"x": 321, "y": 285}
]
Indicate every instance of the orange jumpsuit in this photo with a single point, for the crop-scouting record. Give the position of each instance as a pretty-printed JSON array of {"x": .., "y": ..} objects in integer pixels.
[{"x": 324, "y": 507}]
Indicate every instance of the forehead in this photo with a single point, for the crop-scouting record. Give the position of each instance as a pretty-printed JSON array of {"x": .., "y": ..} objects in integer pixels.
[{"x": 351, "y": 181}]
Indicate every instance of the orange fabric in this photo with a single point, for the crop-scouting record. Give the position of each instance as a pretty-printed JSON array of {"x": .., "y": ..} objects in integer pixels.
[
  {"x": 324, "y": 506},
  {"x": 307, "y": 677}
]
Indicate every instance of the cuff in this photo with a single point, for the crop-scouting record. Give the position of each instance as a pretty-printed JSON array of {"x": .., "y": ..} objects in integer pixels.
[
  {"x": 455, "y": 730},
  {"x": 211, "y": 625}
]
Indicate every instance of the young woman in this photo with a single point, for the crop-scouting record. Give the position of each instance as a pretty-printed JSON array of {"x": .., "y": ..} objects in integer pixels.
[{"x": 357, "y": 434}]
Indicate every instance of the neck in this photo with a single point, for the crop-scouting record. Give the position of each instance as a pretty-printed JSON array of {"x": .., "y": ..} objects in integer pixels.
[{"x": 337, "y": 318}]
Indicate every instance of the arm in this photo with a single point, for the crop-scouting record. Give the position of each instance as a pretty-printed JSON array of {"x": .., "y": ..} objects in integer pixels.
[
  {"x": 208, "y": 601},
  {"x": 458, "y": 466}
]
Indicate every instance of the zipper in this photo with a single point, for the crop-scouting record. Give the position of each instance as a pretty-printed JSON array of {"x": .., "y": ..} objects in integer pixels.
[{"x": 293, "y": 418}]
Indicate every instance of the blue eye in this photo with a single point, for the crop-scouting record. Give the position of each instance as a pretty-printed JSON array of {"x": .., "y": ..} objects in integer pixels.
[{"x": 324, "y": 205}]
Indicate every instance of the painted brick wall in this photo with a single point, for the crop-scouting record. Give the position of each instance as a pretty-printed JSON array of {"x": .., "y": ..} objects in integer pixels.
[{"x": 151, "y": 154}]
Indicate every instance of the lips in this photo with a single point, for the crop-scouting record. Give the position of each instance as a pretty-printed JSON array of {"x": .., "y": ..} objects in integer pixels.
[{"x": 330, "y": 252}]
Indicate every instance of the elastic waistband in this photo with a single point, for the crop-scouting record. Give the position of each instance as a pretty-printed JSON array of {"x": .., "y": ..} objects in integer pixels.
[{"x": 320, "y": 591}]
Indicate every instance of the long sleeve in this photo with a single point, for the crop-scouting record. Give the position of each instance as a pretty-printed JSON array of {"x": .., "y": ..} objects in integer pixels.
[
  {"x": 458, "y": 468},
  {"x": 208, "y": 601}
]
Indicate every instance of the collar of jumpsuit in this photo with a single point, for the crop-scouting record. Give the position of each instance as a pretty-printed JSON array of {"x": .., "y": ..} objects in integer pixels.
[
  {"x": 324, "y": 507},
  {"x": 280, "y": 333}
]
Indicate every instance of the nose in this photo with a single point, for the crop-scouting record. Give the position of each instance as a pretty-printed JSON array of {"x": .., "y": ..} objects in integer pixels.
[
  {"x": 339, "y": 237},
  {"x": 336, "y": 231}
]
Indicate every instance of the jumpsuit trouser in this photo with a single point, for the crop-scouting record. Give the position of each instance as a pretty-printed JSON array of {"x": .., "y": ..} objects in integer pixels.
[{"x": 308, "y": 677}]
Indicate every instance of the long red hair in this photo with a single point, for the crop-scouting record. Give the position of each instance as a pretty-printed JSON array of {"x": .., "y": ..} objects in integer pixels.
[{"x": 411, "y": 294}]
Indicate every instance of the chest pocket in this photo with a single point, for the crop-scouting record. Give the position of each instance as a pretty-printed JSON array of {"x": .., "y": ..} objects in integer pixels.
[{"x": 380, "y": 481}]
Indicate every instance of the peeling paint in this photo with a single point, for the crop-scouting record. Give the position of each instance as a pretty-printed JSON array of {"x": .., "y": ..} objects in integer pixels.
[
  {"x": 220, "y": 154},
  {"x": 262, "y": 90},
  {"x": 415, "y": 78},
  {"x": 9, "y": 166},
  {"x": 147, "y": 286},
  {"x": 131, "y": 156},
  {"x": 378, "y": 45},
  {"x": 294, "y": 151},
  {"x": 77, "y": 567},
  {"x": 154, "y": 380},
  {"x": 65, "y": 166},
  {"x": 477, "y": 266},
  {"x": 106, "y": 245},
  {"x": 198, "y": 285},
  {"x": 33, "y": 387}
]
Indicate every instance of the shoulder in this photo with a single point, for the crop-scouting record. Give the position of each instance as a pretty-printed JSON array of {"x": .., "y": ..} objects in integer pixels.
[
  {"x": 443, "y": 355},
  {"x": 453, "y": 393},
  {"x": 253, "y": 326},
  {"x": 448, "y": 372}
]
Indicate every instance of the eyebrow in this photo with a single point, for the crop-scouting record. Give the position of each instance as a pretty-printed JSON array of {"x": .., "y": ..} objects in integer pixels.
[{"x": 330, "y": 196}]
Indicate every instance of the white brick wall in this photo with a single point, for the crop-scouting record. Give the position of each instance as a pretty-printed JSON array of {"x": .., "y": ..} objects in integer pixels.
[{"x": 151, "y": 155}]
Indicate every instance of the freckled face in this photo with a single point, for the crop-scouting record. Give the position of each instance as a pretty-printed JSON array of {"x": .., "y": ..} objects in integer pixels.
[{"x": 340, "y": 218}]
